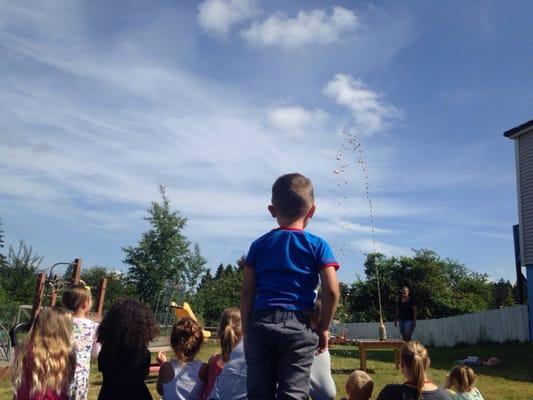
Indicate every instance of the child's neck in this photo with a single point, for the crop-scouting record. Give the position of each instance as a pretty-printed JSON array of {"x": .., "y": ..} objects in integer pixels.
[
  {"x": 300, "y": 223},
  {"x": 80, "y": 313}
]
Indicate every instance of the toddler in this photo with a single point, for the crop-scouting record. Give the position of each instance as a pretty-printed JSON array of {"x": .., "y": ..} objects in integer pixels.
[
  {"x": 359, "y": 386},
  {"x": 281, "y": 275},
  {"x": 183, "y": 378},
  {"x": 229, "y": 334},
  {"x": 78, "y": 300},
  {"x": 460, "y": 382}
]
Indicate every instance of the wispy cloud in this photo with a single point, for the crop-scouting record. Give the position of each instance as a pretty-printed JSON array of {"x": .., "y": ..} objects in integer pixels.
[
  {"x": 296, "y": 120},
  {"x": 313, "y": 27},
  {"x": 216, "y": 17},
  {"x": 367, "y": 107}
]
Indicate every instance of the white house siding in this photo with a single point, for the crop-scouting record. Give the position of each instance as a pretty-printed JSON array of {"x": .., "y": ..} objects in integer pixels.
[{"x": 500, "y": 325}]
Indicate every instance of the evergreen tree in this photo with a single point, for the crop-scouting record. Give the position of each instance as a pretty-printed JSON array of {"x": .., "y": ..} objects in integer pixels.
[
  {"x": 17, "y": 275},
  {"x": 163, "y": 256}
]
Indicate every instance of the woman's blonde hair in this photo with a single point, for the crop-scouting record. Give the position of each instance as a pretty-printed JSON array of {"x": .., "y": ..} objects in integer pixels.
[
  {"x": 462, "y": 378},
  {"x": 415, "y": 358},
  {"x": 45, "y": 356},
  {"x": 229, "y": 331}
]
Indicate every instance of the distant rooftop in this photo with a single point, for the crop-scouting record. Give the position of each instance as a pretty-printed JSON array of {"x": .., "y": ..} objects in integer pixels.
[{"x": 511, "y": 132}]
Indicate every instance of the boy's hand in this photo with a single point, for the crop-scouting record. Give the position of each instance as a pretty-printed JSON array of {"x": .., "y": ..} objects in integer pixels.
[
  {"x": 161, "y": 357},
  {"x": 323, "y": 339}
]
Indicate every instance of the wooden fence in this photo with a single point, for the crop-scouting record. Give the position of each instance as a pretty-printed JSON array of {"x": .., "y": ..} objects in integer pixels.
[{"x": 496, "y": 326}]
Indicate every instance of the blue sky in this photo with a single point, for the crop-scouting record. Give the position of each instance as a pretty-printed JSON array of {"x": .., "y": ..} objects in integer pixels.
[{"x": 104, "y": 101}]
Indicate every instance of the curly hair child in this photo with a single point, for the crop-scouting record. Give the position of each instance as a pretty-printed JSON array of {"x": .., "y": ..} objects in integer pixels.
[
  {"x": 45, "y": 363},
  {"x": 124, "y": 360},
  {"x": 183, "y": 378},
  {"x": 229, "y": 334},
  {"x": 78, "y": 300}
]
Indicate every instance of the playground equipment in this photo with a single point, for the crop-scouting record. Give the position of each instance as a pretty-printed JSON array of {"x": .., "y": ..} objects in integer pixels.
[{"x": 47, "y": 289}]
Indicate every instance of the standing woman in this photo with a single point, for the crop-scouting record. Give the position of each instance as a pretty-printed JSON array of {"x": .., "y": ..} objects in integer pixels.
[{"x": 406, "y": 314}]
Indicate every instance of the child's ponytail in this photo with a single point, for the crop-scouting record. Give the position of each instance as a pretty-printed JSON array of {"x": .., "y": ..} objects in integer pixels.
[
  {"x": 229, "y": 331},
  {"x": 462, "y": 377},
  {"x": 415, "y": 357}
]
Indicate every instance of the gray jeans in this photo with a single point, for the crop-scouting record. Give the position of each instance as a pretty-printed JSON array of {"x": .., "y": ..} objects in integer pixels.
[{"x": 279, "y": 348}]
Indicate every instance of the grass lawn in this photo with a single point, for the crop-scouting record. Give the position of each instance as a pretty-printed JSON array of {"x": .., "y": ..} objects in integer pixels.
[{"x": 511, "y": 380}]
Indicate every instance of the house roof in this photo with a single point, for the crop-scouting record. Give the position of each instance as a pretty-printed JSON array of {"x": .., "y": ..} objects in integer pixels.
[{"x": 518, "y": 129}]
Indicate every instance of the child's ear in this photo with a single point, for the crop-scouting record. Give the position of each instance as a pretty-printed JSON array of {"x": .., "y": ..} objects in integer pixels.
[
  {"x": 311, "y": 212},
  {"x": 272, "y": 210}
]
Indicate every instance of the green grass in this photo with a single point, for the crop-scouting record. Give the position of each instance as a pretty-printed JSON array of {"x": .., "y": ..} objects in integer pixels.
[{"x": 511, "y": 380}]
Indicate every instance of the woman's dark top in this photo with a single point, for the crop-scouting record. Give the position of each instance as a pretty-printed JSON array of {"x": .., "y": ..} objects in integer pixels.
[
  {"x": 406, "y": 392},
  {"x": 405, "y": 310},
  {"x": 123, "y": 376}
]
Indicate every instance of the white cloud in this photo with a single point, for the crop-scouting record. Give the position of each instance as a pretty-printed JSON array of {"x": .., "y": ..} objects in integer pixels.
[
  {"x": 295, "y": 119},
  {"x": 368, "y": 109},
  {"x": 306, "y": 28},
  {"x": 369, "y": 246},
  {"x": 218, "y": 16}
]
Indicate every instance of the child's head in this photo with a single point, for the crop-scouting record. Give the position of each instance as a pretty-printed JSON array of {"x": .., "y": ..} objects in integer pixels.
[
  {"x": 359, "y": 386},
  {"x": 229, "y": 331},
  {"x": 292, "y": 197},
  {"x": 186, "y": 339},
  {"x": 77, "y": 298},
  {"x": 128, "y": 326},
  {"x": 462, "y": 378},
  {"x": 47, "y": 352},
  {"x": 414, "y": 363}
]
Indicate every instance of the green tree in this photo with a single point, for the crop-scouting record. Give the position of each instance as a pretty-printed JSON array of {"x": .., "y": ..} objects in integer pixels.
[
  {"x": 163, "y": 255},
  {"x": 17, "y": 275},
  {"x": 441, "y": 287},
  {"x": 118, "y": 286},
  {"x": 216, "y": 294},
  {"x": 503, "y": 294}
]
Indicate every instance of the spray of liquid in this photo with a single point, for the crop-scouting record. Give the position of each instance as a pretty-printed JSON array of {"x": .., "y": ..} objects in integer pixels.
[{"x": 353, "y": 147}]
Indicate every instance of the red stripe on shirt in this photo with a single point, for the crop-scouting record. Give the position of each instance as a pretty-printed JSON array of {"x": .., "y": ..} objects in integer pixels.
[{"x": 333, "y": 264}]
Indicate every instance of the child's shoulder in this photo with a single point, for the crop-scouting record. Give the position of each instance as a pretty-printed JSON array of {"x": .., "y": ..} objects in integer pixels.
[{"x": 85, "y": 322}]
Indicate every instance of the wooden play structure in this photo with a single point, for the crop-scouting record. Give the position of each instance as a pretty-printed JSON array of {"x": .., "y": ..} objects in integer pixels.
[{"x": 47, "y": 289}]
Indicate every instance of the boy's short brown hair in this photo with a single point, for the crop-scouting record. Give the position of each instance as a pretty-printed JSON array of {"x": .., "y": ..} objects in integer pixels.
[
  {"x": 75, "y": 297},
  {"x": 292, "y": 195},
  {"x": 359, "y": 385}
]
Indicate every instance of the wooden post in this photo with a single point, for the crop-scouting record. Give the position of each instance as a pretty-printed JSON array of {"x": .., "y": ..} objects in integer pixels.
[
  {"x": 101, "y": 296},
  {"x": 53, "y": 297},
  {"x": 76, "y": 271},
  {"x": 38, "y": 295}
]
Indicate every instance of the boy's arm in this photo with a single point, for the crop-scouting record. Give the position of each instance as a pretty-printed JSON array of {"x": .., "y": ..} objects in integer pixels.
[
  {"x": 247, "y": 296},
  {"x": 330, "y": 299}
]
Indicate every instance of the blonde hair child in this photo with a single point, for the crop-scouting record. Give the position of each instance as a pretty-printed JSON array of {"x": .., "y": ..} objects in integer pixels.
[
  {"x": 359, "y": 386},
  {"x": 79, "y": 301},
  {"x": 414, "y": 365},
  {"x": 461, "y": 381},
  {"x": 183, "y": 378},
  {"x": 44, "y": 363},
  {"x": 229, "y": 334}
]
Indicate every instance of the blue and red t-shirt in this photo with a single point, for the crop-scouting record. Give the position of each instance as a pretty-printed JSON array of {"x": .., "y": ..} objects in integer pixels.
[{"x": 287, "y": 264}]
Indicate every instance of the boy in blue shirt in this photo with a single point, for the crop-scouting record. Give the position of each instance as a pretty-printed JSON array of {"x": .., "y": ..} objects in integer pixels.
[{"x": 281, "y": 274}]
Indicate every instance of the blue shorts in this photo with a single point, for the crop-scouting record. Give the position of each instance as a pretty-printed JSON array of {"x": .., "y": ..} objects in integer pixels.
[{"x": 407, "y": 327}]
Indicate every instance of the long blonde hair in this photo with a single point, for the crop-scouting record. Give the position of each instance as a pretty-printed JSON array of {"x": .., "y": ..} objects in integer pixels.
[
  {"x": 415, "y": 358},
  {"x": 45, "y": 356},
  {"x": 229, "y": 331}
]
